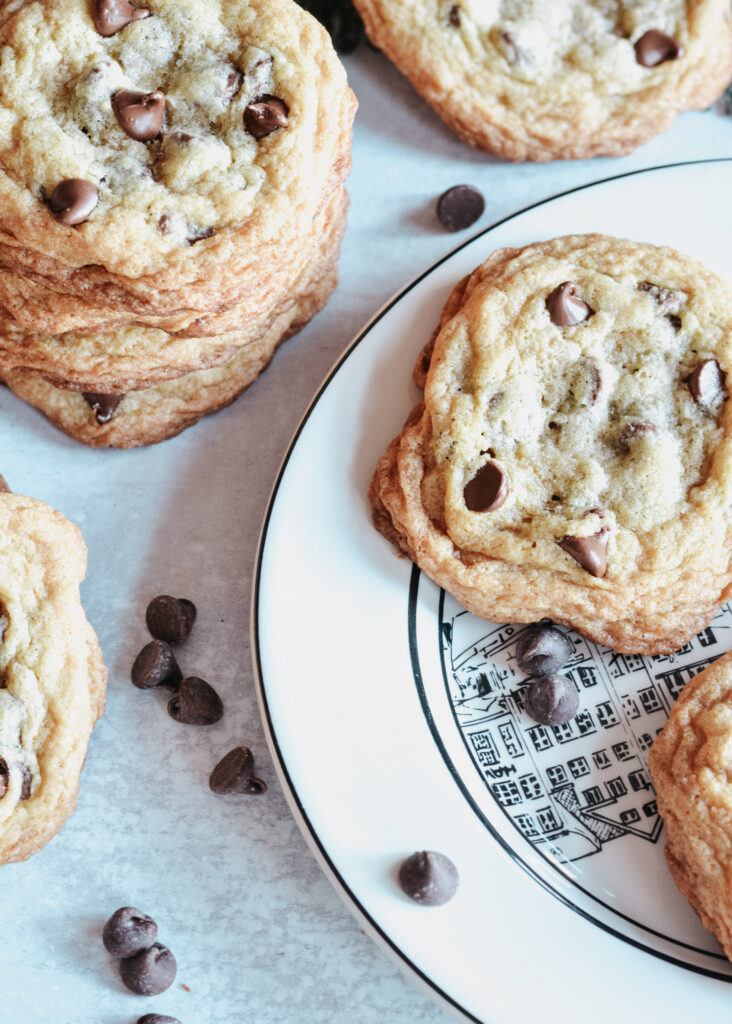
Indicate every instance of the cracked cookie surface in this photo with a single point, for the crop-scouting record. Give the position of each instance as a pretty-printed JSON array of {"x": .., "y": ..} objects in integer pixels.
[{"x": 572, "y": 458}]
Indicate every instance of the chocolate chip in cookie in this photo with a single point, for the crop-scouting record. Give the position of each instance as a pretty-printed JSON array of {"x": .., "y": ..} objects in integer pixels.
[
  {"x": 140, "y": 115},
  {"x": 73, "y": 200},
  {"x": 488, "y": 489},
  {"x": 590, "y": 552},
  {"x": 565, "y": 307},
  {"x": 104, "y": 406},
  {"x": 654, "y": 48},
  {"x": 110, "y": 16},
  {"x": 707, "y": 384},
  {"x": 265, "y": 115}
]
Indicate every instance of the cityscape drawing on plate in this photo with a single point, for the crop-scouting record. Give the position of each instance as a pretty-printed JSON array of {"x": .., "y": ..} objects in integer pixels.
[{"x": 568, "y": 788}]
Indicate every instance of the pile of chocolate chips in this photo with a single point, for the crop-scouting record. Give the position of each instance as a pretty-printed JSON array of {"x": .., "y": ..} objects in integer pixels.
[
  {"x": 542, "y": 650},
  {"x": 340, "y": 18},
  {"x": 146, "y": 967}
]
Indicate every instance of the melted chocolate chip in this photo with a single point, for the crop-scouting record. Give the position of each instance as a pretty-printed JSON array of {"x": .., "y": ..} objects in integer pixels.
[
  {"x": 196, "y": 234},
  {"x": 454, "y": 16},
  {"x": 128, "y": 931},
  {"x": 667, "y": 300},
  {"x": 428, "y": 878},
  {"x": 26, "y": 781},
  {"x": 150, "y": 972},
  {"x": 197, "y": 703},
  {"x": 155, "y": 665},
  {"x": 140, "y": 115},
  {"x": 516, "y": 53},
  {"x": 73, "y": 200},
  {"x": 4, "y": 778},
  {"x": 266, "y": 115},
  {"x": 635, "y": 432},
  {"x": 707, "y": 384},
  {"x": 552, "y": 700},
  {"x": 104, "y": 406},
  {"x": 232, "y": 84},
  {"x": 112, "y": 15},
  {"x": 565, "y": 307},
  {"x": 589, "y": 552},
  {"x": 542, "y": 649},
  {"x": 655, "y": 48},
  {"x": 235, "y": 774},
  {"x": 170, "y": 618},
  {"x": 460, "y": 207},
  {"x": 488, "y": 489}
]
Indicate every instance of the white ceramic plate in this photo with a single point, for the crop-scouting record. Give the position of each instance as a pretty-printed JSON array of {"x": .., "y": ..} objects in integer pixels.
[{"x": 392, "y": 713}]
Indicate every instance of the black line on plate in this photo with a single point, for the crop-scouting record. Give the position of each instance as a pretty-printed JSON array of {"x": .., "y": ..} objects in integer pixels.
[{"x": 259, "y": 675}]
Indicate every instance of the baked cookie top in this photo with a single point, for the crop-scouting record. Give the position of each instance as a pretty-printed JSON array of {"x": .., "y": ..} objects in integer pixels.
[
  {"x": 567, "y": 79},
  {"x": 133, "y": 138}
]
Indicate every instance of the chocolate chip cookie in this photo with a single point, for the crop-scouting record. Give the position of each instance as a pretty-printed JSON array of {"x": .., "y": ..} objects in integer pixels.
[
  {"x": 572, "y": 457},
  {"x": 52, "y": 679},
  {"x": 689, "y": 763},
  {"x": 571, "y": 79}
]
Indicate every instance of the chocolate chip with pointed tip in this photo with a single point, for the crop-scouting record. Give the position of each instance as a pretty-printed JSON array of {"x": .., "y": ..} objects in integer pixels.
[
  {"x": 654, "y": 48},
  {"x": 104, "y": 406},
  {"x": 155, "y": 665},
  {"x": 73, "y": 200},
  {"x": 453, "y": 16},
  {"x": 265, "y": 115},
  {"x": 139, "y": 114},
  {"x": 552, "y": 700},
  {"x": 488, "y": 489},
  {"x": 590, "y": 552},
  {"x": 110, "y": 16},
  {"x": 459, "y": 207},
  {"x": 196, "y": 703},
  {"x": 128, "y": 931},
  {"x": 150, "y": 972},
  {"x": 429, "y": 878},
  {"x": 542, "y": 649},
  {"x": 707, "y": 384},
  {"x": 565, "y": 307},
  {"x": 235, "y": 774},
  {"x": 170, "y": 618}
]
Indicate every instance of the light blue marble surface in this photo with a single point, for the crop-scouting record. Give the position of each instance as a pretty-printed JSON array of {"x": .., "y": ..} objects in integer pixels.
[{"x": 260, "y": 936}]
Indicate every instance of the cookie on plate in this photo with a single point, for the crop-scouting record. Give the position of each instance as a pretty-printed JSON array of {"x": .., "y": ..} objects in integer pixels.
[
  {"x": 572, "y": 457},
  {"x": 52, "y": 678},
  {"x": 572, "y": 79},
  {"x": 689, "y": 764}
]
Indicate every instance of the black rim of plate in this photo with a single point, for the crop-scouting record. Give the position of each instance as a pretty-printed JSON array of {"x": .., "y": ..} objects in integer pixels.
[{"x": 311, "y": 833}]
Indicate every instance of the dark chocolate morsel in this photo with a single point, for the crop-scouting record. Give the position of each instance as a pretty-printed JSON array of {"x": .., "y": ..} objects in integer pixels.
[
  {"x": 635, "y": 432},
  {"x": 428, "y": 878},
  {"x": 235, "y": 774},
  {"x": 139, "y": 114},
  {"x": 104, "y": 406},
  {"x": 170, "y": 618},
  {"x": 157, "y": 1018},
  {"x": 196, "y": 703},
  {"x": 26, "y": 781},
  {"x": 266, "y": 115},
  {"x": 590, "y": 552},
  {"x": 460, "y": 207},
  {"x": 667, "y": 300},
  {"x": 73, "y": 200},
  {"x": 552, "y": 700},
  {"x": 155, "y": 665},
  {"x": 128, "y": 931},
  {"x": 655, "y": 48},
  {"x": 707, "y": 383},
  {"x": 150, "y": 972},
  {"x": 453, "y": 16},
  {"x": 565, "y": 306},
  {"x": 4, "y": 778},
  {"x": 112, "y": 15},
  {"x": 487, "y": 490},
  {"x": 542, "y": 649}
]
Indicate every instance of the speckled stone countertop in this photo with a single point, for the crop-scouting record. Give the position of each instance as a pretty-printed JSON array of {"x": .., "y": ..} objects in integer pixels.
[{"x": 259, "y": 935}]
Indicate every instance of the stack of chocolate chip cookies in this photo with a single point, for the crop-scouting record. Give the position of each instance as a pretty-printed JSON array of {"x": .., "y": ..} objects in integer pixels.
[{"x": 171, "y": 203}]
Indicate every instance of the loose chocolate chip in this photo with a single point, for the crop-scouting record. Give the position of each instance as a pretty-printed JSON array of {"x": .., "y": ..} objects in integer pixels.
[
  {"x": 128, "y": 931},
  {"x": 140, "y": 115},
  {"x": 104, "y": 406},
  {"x": 196, "y": 703},
  {"x": 4, "y": 778},
  {"x": 150, "y": 972},
  {"x": 636, "y": 432},
  {"x": 73, "y": 200},
  {"x": 488, "y": 489},
  {"x": 266, "y": 115},
  {"x": 170, "y": 618},
  {"x": 454, "y": 16},
  {"x": 655, "y": 48},
  {"x": 707, "y": 384},
  {"x": 235, "y": 774},
  {"x": 590, "y": 552},
  {"x": 157, "y": 1018},
  {"x": 667, "y": 300},
  {"x": 552, "y": 700},
  {"x": 26, "y": 781},
  {"x": 460, "y": 207},
  {"x": 542, "y": 649},
  {"x": 155, "y": 665},
  {"x": 428, "y": 878},
  {"x": 112, "y": 15},
  {"x": 4, "y": 485},
  {"x": 565, "y": 307}
]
